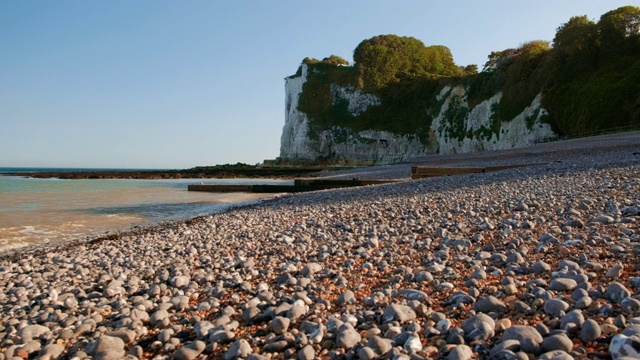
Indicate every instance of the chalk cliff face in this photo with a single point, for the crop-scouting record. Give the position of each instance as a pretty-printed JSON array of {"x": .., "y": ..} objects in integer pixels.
[
  {"x": 295, "y": 143},
  {"x": 479, "y": 131},
  {"x": 467, "y": 130}
]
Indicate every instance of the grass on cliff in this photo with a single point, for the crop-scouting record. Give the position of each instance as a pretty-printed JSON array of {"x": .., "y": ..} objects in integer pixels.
[{"x": 589, "y": 81}]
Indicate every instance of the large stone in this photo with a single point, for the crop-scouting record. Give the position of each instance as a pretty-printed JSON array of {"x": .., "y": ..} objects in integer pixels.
[
  {"x": 478, "y": 327},
  {"x": 190, "y": 351},
  {"x": 563, "y": 284},
  {"x": 625, "y": 347},
  {"x": 617, "y": 292},
  {"x": 555, "y": 307},
  {"x": 347, "y": 337},
  {"x": 30, "y": 332},
  {"x": 590, "y": 330},
  {"x": 460, "y": 352},
  {"x": 397, "y": 312},
  {"x": 107, "y": 348},
  {"x": 556, "y": 355},
  {"x": 573, "y": 320},
  {"x": 347, "y": 297},
  {"x": 521, "y": 332},
  {"x": 310, "y": 269},
  {"x": 280, "y": 324},
  {"x": 238, "y": 350},
  {"x": 489, "y": 304},
  {"x": 51, "y": 352},
  {"x": 380, "y": 345},
  {"x": 412, "y": 294},
  {"x": 126, "y": 335},
  {"x": 202, "y": 328},
  {"x": 307, "y": 353},
  {"x": 557, "y": 342},
  {"x": 413, "y": 345}
]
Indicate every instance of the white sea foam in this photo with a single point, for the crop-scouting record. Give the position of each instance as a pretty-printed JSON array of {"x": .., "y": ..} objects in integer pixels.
[{"x": 35, "y": 211}]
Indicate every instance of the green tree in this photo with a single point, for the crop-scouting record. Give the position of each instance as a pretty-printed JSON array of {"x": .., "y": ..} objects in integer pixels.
[
  {"x": 499, "y": 59},
  {"x": 439, "y": 61},
  {"x": 335, "y": 60},
  {"x": 577, "y": 34},
  {"x": 576, "y": 45},
  {"x": 385, "y": 59},
  {"x": 620, "y": 32},
  {"x": 470, "y": 69}
]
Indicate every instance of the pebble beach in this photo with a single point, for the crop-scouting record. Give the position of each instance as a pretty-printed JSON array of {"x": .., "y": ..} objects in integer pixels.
[{"x": 532, "y": 262}]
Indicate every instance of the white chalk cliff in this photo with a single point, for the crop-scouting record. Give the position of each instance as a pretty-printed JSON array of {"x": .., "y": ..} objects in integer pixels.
[{"x": 300, "y": 142}]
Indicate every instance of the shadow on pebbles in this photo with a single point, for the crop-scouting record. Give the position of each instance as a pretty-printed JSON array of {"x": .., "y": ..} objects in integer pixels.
[{"x": 538, "y": 262}]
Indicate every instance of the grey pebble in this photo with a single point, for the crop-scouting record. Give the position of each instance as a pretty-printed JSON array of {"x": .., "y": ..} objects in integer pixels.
[
  {"x": 347, "y": 297},
  {"x": 347, "y": 337},
  {"x": 307, "y": 353},
  {"x": 617, "y": 292},
  {"x": 398, "y": 312},
  {"x": 190, "y": 351},
  {"x": 366, "y": 353},
  {"x": 562, "y": 284},
  {"x": 478, "y": 327},
  {"x": 555, "y": 307},
  {"x": 380, "y": 345},
  {"x": 51, "y": 352},
  {"x": 590, "y": 330},
  {"x": 489, "y": 304},
  {"x": 556, "y": 355},
  {"x": 557, "y": 342},
  {"x": 202, "y": 328},
  {"x": 107, "y": 348},
  {"x": 280, "y": 324},
  {"x": 460, "y": 352},
  {"x": 238, "y": 349}
]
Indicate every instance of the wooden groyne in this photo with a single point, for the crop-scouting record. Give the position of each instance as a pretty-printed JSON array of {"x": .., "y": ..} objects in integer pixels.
[
  {"x": 299, "y": 185},
  {"x": 304, "y": 185},
  {"x": 419, "y": 172}
]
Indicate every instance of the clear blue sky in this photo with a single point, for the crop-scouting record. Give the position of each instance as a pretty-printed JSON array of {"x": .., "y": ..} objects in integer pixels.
[{"x": 176, "y": 84}]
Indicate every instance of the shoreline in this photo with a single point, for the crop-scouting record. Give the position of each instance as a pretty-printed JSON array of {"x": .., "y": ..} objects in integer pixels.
[
  {"x": 202, "y": 172},
  {"x": 521, "y": 262}
]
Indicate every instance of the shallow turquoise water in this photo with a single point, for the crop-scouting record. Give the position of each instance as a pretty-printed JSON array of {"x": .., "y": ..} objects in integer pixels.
[{"x": 40, "y": 211}]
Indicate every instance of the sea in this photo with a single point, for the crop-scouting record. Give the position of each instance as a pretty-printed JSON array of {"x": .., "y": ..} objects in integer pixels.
[{"x": 43, "y": 211}]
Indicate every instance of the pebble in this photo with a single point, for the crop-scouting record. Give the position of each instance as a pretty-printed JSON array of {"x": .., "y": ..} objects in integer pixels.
[
  {"x": 239, "y": 349},
  {"x": 347, "y": 297},
  {"x": 202, "y": 329},
  {"x": 557, "y": 342},
  {"x": 556, "y": 307},
  {"x": 590, "y": 331},
  {"x": 478, "y": 327},
  {"x": 625, "y": 347},
  {"x": 398, "y": 312},
  {"x": 489, "y": 304},
  {"x": 307, "y": 353},
  {"x": 347, "y": 337},
  {"x": 107, "y": 348},
  {"x": 379, "y": 345},
  {"x": 529, "y": 338},
  {"x": 562, "y": 284},
  {"x": 556, "y": 355},
  {"x": 190, "y": 351},
  {"x": 617, "y": 292},
  {"x": 413, "y": 345},
  {"x": 355, "y": 273},
  {"x": 460, "y": 352}
]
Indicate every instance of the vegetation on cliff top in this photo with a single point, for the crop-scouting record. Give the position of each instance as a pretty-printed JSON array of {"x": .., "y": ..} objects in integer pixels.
[{"x": 589, "y": 77}]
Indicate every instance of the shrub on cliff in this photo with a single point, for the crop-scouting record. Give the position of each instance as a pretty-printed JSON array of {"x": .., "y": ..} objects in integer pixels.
[
  {"x": 386, "y": 59},
  {"x": 589, "y": 79}
]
